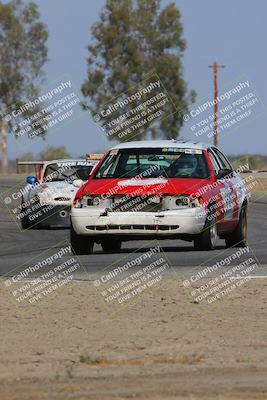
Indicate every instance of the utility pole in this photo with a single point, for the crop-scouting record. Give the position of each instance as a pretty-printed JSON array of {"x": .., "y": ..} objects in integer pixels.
[{"x": 215, "y": 67}]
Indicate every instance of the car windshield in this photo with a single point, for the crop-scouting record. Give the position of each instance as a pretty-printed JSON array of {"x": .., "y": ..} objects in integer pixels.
[
  {"x": 145, "y": 163},
  {"x": 70, "y": 171}
]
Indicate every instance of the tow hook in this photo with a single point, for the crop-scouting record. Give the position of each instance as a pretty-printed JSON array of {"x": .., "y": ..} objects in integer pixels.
[{"x": 104, "y": 213}]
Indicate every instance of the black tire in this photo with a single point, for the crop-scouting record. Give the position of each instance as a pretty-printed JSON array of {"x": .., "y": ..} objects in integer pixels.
[
  {"x": 25, "y": 222},
  {"x": 238, "y": 238},
  {"x": 80, "y": 244},
  {"x": 111, "y": 245},
  {"x": 206, "y": 240}
]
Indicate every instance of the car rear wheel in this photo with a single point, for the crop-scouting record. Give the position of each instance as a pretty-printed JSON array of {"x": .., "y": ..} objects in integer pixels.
[
  {"x": 206, "y": 240},
  {"x": 238, "y": 238},
  {"x": 80, "y": 244},
  {"x": 111, "y": 245}
]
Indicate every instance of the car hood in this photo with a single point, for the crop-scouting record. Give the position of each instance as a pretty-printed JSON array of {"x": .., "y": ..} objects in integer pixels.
[
  {"x": 60, "y": 189},
  {"x": 144, "y": 186}
]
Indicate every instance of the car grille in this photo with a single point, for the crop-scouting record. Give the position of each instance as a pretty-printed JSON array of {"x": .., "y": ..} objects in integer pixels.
[
  {"x": 146, "y": 203},
  {"x": 132, "y": 227}
]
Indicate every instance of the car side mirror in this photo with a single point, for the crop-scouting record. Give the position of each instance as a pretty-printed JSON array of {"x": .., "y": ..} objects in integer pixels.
[
  {"x": 225, "y": 172},
  {"x": 31, "y": 180}
]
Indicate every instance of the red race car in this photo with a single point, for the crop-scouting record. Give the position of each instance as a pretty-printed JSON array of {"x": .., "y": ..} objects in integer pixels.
[{"x": 163, "y": 189}]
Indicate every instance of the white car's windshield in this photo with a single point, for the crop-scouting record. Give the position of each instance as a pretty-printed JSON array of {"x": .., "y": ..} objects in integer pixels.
[
  {"x": 70, "y": 171},
  {"x": 143, "y": 163}
]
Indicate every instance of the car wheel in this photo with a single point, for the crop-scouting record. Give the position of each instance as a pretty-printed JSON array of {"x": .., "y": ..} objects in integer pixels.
[
  {"x": 206, "y": 240},
  {"x": 25, "y": 222},
  {"x": 238, "y": 238},
  {"x": 111, "y": 245},
  {"x": 80, "y": 244}
]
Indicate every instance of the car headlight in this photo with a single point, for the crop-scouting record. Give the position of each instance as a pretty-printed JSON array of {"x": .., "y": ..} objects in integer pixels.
[
  {"x": 182, "y": 201},
  {"x": 91, "y": 201},
  {"x": 44, "y": 197}
]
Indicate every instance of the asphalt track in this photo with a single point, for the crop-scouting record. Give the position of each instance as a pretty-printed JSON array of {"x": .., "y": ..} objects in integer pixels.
[{"x": 20, "y": 249}]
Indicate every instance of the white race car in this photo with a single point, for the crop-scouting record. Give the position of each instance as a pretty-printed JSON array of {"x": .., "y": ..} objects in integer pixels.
[{"x": 48, "y": 196}]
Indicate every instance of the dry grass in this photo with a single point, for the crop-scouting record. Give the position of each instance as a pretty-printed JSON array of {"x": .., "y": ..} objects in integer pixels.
[{"x": 182, "y": 359}]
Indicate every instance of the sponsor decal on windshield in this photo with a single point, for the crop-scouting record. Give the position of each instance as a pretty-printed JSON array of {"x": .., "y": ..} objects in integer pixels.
[
  {"x": 180, "y": 150},
  {"x": 74, "y": 164}
]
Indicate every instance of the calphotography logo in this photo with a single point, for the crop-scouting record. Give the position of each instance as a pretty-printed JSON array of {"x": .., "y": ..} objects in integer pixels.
[
  {"x": 53, "y": 270},
  {"x": 237, "y": 106},
  {"x": 46, "y": 113},
  {"x": 141, "y": 107},
  {"x": 223, "y": 277},
  {"x": 132, "y": 277}
]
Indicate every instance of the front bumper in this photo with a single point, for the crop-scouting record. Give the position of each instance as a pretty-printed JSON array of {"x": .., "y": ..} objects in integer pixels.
[{"x": 186, "y": 221}]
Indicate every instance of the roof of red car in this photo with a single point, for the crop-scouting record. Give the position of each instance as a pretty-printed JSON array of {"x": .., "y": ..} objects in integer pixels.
[{"x": 162, "y": 144}]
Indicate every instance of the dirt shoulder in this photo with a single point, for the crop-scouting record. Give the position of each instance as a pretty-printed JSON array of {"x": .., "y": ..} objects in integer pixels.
[{"x": 164, "y": 346}]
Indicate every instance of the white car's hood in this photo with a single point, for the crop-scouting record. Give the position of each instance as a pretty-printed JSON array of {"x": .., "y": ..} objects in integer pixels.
[{"x": 59, "y": 192}]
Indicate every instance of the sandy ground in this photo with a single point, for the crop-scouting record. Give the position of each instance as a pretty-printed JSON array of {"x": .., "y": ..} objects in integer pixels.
[
  {"x": 162, "y": 346},
  {"x": 260, "y": 183}
]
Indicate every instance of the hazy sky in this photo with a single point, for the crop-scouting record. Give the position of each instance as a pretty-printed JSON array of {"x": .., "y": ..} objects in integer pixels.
[{"x": 230, "y": 31}]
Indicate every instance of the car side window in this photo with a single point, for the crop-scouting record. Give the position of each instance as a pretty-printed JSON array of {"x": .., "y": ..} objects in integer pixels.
[
  {"x": 214, "y": 162},
  {"x": 108, "y": 166},
  {"x": 222, "y": 159}
]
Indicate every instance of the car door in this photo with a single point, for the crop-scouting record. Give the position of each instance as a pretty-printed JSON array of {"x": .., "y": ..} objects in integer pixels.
[
  {"x": 230, "y": 186},
  {"x": 217, "y": 192}
]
